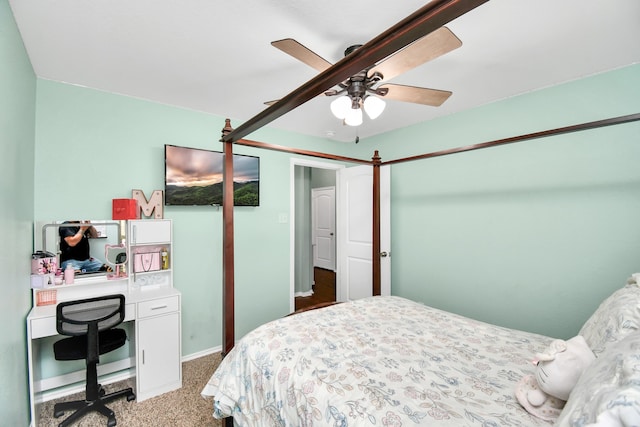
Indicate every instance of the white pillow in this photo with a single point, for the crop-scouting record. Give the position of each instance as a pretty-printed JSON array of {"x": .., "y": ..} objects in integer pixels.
[
  {"x": 617, "y": 316},
  {"x": 608, "y": 392}
]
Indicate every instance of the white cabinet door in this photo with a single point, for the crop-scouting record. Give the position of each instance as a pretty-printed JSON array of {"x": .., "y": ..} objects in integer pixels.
[
  {"x": 159, "y": 367},
  {"x": 150, "y": 231}
]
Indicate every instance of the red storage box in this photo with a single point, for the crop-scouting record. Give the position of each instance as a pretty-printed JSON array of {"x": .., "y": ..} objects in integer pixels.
[{"x": 125, "y": 209}]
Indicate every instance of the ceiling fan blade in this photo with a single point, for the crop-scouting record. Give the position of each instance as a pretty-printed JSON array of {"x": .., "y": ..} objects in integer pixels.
[
  {"x": 302, "y": 53},
  {"x": 429, "y": 47},
  {"x": 276, "y": 100},
  {"x": 417, "y": 95}
]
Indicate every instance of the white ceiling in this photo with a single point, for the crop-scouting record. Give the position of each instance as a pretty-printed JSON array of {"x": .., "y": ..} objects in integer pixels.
[{"x": 216, "y": 57}]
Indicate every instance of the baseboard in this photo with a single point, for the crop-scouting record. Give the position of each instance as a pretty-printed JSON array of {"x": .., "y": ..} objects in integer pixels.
[
  {"x": 202, "y": 353},
  {"x": 303, "y": 294}
]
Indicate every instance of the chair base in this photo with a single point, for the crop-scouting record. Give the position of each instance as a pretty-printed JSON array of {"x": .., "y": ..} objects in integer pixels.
[{"x": 84, "y": 407}]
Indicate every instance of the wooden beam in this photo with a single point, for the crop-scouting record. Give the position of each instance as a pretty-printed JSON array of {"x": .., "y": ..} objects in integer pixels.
[
  {"x": 376, "y": 269},
  {"x": 282, "y": 148},
  {"x": 228, "y": 268},
  {"x": 551, "y": 132},
  {"x": 417, "y": 25}
]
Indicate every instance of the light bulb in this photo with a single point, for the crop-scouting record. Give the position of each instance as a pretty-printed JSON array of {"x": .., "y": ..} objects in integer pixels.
[
  {"x": 374, "y": 106},
  {"x": 340, "y": 107},
  {"x": 353, "y": 117}
]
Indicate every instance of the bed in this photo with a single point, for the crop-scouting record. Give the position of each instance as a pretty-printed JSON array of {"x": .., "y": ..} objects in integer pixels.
[
  {"x": 435, "y": 368},
  {"x": 390, "y": 361}
]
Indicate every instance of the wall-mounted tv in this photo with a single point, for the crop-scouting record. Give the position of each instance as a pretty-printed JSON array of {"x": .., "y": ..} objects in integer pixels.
[{"x": 193, "y": 176}]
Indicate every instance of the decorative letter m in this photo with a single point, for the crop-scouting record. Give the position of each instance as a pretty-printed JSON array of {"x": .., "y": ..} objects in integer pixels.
[{"x": 147, "y": 207}]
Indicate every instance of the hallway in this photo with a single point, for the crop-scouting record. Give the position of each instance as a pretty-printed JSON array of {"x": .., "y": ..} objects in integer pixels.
[{"x": 324, "y": 289}]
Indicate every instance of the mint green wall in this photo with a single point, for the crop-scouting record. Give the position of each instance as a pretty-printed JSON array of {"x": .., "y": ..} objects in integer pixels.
[
  {"x": 323, "y": 178},
  {"x": 17, "y": 124},
  {"x": 93, "y": 146},
  {"x": 531, "y": 235}
]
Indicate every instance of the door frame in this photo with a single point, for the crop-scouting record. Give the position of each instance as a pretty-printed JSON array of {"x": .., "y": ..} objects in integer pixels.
[{"x": 292, "y": 217}]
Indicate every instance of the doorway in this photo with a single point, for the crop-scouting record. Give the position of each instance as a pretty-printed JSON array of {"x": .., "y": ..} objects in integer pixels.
[
  {"x": 353, "y": 274},
  {"x": 304, "y": 251}
]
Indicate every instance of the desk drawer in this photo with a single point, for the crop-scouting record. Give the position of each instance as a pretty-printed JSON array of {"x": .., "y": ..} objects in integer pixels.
[
  {"x": 43, "y": 327},
  {"x": 158, "y": 306},
  {"x": 46, "y": 326}
]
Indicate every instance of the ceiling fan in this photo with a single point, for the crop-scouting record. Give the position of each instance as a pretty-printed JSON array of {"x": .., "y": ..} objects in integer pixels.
[{"x": 359, "y": 89}]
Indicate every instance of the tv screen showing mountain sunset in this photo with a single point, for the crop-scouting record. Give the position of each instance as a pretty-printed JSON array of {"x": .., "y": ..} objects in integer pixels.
[{"x": 194, "y": 176}]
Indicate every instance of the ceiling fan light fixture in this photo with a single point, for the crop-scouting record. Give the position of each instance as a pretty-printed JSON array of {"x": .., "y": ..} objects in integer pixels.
[
  {"x": 353, "y": 117},
  {"x": 340, "y": 107},
  {"x": 374, "y": 106}
]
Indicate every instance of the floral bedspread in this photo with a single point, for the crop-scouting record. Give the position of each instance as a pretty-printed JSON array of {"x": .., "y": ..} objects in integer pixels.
[{"x": 380, "y": 361}]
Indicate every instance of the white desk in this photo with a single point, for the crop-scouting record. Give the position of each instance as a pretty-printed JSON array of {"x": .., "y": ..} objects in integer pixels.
[{"x": 155, "y": 348}]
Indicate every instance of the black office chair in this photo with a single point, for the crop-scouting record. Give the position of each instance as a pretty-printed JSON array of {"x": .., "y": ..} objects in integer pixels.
[{"x": 90, "y": 324}]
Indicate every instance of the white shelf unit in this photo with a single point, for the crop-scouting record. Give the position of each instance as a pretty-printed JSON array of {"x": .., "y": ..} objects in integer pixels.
[
  {"x": 147, "y": 239},
  {"x": 158, "y": 330}
]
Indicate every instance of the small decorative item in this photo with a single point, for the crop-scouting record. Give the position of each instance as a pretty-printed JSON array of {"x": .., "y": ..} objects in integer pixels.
[
  {"x": 69, "y": 274},
  {"x": 557, "y": 372},
  {"x": 147, "y": 261},
  {"x": 148, "y": 207},
  {"x": 122, "y": 209},
  {"x": 43, "y": 262},
  {"x": 41, "y": 281},
  {"x": 116, "y": 255},
  {"x": 47, "y": 297},
  {"x": 165, "y": 259}
]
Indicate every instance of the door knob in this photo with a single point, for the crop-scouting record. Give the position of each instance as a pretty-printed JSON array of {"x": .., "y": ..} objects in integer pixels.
[{"x": 384, "y": 254}]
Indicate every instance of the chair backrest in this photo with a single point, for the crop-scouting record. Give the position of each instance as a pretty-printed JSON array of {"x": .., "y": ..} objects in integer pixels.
[{"x": 74, "y": 318}]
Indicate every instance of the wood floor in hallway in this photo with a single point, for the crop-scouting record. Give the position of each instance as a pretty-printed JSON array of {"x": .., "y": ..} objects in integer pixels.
[{"x": 324, "y": 289}]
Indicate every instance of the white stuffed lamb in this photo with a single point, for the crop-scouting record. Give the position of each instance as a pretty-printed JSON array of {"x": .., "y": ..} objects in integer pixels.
[{"x": 558, "y": 370}]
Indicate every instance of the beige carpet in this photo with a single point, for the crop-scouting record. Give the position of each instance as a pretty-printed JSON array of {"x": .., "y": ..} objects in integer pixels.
[{"x": 180, "y": 408}]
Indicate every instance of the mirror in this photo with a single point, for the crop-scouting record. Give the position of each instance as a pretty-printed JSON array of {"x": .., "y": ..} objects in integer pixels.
[
  {"x": 92, "y": 235},
  {"x": 116, "y": 255}
]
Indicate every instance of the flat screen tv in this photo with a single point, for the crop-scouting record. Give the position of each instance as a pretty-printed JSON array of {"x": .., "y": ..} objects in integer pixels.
[{"x": 193, "y": 176}]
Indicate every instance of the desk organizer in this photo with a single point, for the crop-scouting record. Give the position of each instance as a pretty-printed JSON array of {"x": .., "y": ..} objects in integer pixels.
[{"x": 47, "y": 297}]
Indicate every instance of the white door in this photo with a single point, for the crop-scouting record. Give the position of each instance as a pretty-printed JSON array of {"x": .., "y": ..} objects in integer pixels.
[
  {"x": 355, "y": 232},
  {"x": 323, "y": 227}
]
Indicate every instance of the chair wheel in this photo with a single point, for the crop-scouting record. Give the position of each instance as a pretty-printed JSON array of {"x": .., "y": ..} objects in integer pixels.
[
  {"x": 112, "y": 422},
  {"x": 58, "y": 414},
  {"x": 131, "y": 397}
]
